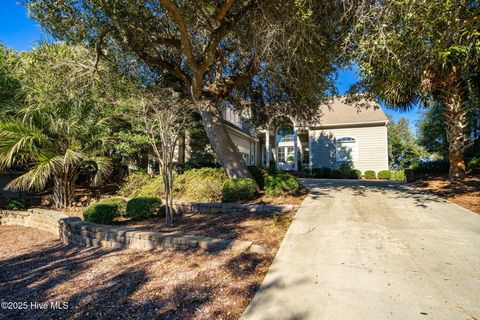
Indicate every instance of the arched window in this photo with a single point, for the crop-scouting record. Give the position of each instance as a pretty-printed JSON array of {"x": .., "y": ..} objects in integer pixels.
[
  {"x": 347, "y": 149},
  {"x": 285, "y": 133}
]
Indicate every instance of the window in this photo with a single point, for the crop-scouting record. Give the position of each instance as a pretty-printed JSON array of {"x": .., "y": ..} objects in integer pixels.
[
  {"x": 285, "y": 133},
  {"x": 305, "y": 156},
  {"x": 281, "y": 155},
  {"x": 346, "y": 149}
]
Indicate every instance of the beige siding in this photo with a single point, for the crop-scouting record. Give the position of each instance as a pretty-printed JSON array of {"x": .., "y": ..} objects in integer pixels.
[{"x": 372, "y": 149}]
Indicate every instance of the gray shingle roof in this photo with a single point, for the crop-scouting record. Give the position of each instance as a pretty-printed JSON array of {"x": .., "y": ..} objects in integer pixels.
[{"x": 338, "y": 112}]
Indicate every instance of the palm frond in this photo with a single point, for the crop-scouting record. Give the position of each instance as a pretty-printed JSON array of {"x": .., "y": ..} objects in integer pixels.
[
  {"x": 19, "y": 141},
  {"x": 103, "y": 169},
  {"x": 37, "y": 177}
]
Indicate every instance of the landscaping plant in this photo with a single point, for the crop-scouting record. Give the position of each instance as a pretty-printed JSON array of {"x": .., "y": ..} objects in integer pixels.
[
  {"x": 280, "y": 184},
  {"x": 239, "y": 190},
  {"x": 143, "y": 207}
]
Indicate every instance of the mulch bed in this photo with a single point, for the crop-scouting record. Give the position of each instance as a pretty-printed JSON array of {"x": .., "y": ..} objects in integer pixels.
[
  {"x": 465, "y": 193},
  {"x": 127, "y": 284},
  {"x": 266, "y": 228}
]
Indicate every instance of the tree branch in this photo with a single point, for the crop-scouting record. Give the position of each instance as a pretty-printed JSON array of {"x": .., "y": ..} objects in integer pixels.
[
  {"x": 182, "y": 27},
  {"x": 223, "y": 10}
]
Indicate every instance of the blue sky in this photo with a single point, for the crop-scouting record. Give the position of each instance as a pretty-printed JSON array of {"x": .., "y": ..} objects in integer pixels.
[{"x": 20, "y": 32}]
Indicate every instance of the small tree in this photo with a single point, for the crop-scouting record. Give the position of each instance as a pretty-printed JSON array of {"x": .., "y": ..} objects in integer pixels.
[
  {"x": 403, "y": 149},
  {"x": 163, "y": 119}
]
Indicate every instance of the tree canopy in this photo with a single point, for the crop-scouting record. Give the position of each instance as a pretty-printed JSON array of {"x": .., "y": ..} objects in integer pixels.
[
  {"x": 411, "y": 51},
  {"x": 254, "y": 51}
]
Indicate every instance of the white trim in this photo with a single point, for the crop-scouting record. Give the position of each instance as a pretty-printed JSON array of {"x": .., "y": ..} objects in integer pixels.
[
  {"x": 386, "y": 139},
  {"x": 320, "y": 126},
  {"x": 310, "y": 153},
  {"x": 355, "y": 155}
]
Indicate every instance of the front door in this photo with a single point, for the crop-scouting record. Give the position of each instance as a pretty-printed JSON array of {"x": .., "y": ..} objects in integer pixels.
[{"x": 286, "y": 158}]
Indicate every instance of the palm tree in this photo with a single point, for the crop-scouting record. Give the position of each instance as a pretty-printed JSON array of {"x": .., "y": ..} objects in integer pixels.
[
  {"x": 62, "y": 127},
  {"x": 55, "y": 147}
]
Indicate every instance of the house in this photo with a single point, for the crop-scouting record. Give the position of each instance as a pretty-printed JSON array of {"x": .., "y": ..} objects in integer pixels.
[{"x": 342, "y": 134}]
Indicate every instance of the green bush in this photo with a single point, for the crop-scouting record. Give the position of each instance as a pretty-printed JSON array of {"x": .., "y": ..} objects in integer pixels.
[
  {"x": 280, "y": 184},
  {"x": 355, "y": 174},
  {"x": 384, "y": 174},
  {"x": 104, "y": 211},
  {"x": 397, "y": 175},
  {"x": 258, "y": 173},
  {"x": 336, "y": 174},
  {"x": 239, "y": 190},
  {"x": 16, "y": 204},
  {"x": 202, "y": 185},
  {"x": 327, "y": 172},
  {"x": 473, "y": 164},
  {"x": 141, "y": 184},
  {"x": 144, "y": 207},
  {"x": 317, "y": 173},
  {"x": 133, "y": 184},
  {"x": 370, "y": 174},
  {"x": 272, "y": 167},
  {"x": 345, "y": 168}
]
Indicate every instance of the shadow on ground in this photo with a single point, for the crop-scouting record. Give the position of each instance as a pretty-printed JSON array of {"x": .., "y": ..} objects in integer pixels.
[{"x": 361, "y": 188}]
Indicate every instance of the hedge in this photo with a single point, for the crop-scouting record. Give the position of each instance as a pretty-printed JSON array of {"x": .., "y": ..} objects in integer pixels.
[
  {"x": 384, "y": 174},
  {"x": 142, "y": 208},
  {"x": 355, "y": 174},
  {"x": 397, "y": 175},
  {"x": 202, "y": 185},
  {"x": 370, "y": 174},
  {"x": 336, "y": 174},
  {"x": 104, "y": 211},
  {"x": 239, "y": 190},
  {"x": 280, "y": 184},
  {"x": 258, "y": 173}
]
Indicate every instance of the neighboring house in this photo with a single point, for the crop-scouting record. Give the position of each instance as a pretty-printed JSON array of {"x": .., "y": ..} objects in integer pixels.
[{"x": 342, "y": 134}]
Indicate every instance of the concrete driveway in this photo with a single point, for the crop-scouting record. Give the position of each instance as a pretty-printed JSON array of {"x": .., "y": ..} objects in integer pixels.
[{"x": 374, "y": 250}]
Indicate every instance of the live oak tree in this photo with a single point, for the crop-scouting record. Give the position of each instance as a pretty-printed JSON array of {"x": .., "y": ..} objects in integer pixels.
[
  {"x": 410, "y": 51},
  {"x": 219, "y": 50}
]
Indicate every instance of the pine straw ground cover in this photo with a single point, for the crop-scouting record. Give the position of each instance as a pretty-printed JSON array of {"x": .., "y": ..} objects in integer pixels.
[
  {"x": 266, "y": 228},
  {"x": 127, "y": 284},
  {"x": 465, "y": 193}
]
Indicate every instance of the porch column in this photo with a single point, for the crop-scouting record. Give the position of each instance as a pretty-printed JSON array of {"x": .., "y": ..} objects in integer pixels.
[
  {"x": 267, "y": 146},
  {"x": 310, "y": 157},
  {"x": 295, "y": 151}
]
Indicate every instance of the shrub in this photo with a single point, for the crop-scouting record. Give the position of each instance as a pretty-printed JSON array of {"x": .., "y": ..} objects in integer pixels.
[
  {"x": 397, "y": 175},
  {"x": 384, "y": 174},
  {"x": 203, "y": 185},
  {"x": 154, "y": 187},
  {"x": 16, "y": 204},
  {"x": 317, "y": 173},
  {"x": 272, "y": 167},
  {"x": 473, "y": 164},
  {"x": 370, "y": 174},
  {"x": 141, "y": 208},
  {"x": 336, "y": 174},
  {"x": 104, "y": 211},
  {"x": 280, "y": 184},
  {"x": 355, "y": 174},
  {"x": 133, "y": 184},
  {"x": 239, "y": 190},
  {"x": 345, "y": 168},
  {"x": 327, "y": 172},
  {"x": 258, "y": 174}
]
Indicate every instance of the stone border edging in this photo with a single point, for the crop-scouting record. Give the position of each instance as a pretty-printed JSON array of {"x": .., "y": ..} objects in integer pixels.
[
  {"x": 75, "y": 231},
  {"x": 219, "y": 207}
]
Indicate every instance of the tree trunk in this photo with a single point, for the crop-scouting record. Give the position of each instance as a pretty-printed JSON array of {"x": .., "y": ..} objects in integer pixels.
[
  {"x": 63, "y": 190},
  {"x": 456, "y": 120},
  {"x": 226, "y": 151}
]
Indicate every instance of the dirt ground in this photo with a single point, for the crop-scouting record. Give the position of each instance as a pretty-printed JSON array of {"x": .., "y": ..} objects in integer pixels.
[
  {"x": 465, "y": 193},
  {"x": 127, "y": 284}
]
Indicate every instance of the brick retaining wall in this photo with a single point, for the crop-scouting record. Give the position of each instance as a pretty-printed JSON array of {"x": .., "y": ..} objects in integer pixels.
[
  {"x": 206, "y": 207},
  {"x": 74, "y": 231}
]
